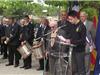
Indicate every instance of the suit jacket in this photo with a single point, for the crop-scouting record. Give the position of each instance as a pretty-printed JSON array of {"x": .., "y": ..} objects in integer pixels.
[
  {"x": 90, "y": 29},
  {"x": 2, "y": 33},
  {"x": 91, "y": 33},
  {"x": 66, "y": 26},
  {"x": 57, "y": 46},
  {"x": 13, "y": 35},
  {"x": 78, "y": 36},
  {"x": 60, "y": 23},
  {"x": 41, "y": 33},
  {"x": 27, "y": 33}
]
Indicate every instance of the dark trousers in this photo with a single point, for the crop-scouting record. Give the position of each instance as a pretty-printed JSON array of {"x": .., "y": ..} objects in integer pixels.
[
  {"x": 57, "y": 66},
  {"x": 28, "y": 61},
  {"x": 12, "y": 50},
  {"x": 1, "y": 51},
  {"x": 78, "y": 63},
  {"x": 44, "y": 63},
  {"x": 4, "y": 50},
  {"x": 41, "y": 63},
  {"x": 47, "y": 64}
]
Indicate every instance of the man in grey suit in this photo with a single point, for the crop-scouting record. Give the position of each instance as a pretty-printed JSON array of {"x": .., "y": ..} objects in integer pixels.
[
  {"x": 90, "y": 39},
  {"x": 57, "y": 52}
]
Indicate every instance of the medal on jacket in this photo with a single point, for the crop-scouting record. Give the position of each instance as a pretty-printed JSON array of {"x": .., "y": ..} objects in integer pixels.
[{"x": 77, "y": 29}]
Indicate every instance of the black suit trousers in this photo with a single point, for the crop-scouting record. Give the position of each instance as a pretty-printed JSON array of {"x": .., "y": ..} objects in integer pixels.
[
  {"x": 12, "y": 50},
  {"x": 28, "y": 61}
]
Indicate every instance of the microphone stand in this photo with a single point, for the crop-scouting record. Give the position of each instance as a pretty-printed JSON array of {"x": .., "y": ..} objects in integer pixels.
[
  {"x": 60, "y": 60},
  {"x": 68, "y": 67},
  {"x": 50, "y": 32},
  {"x": 42, "y": 38},
  {"x": 70, "y": 58},
  {"x": 45, "y": 61}
]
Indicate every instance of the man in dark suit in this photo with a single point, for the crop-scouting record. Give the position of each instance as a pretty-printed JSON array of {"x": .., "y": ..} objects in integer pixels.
[
  {"x": 63, "y": 18},
  {"x": 2, "y": 35},
  {"x": 12, "y": 41},
  {"x": 1, "y": 39},
  {"x": 42, "y": 30},
  {"x": 64, "y": 23},
  {"x": 27, "y": 35},
  {"x": 91, "y": 33},
  {"x": 77, "y": 37}
]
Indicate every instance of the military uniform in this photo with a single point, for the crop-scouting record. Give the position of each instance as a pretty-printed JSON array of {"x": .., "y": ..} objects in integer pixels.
[
  {"x": 27, "y": 33},
  {"x": 2, "y": 38},
  {"x": 42, "y": 30},
  {"x": 12, "y": 32}
]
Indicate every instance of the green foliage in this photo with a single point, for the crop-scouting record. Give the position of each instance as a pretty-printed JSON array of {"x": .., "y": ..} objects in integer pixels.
[
  {"x": 15, "y": 8},
  {"x": 21, "y": 7},
  {"x": 61, "y": 3},
  {"x": 91, "y": 7},
  {"x": 18, "y": 8},
  {"x": 56, "y": 2}
]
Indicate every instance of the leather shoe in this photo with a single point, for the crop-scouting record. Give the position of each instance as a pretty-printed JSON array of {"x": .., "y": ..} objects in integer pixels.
[
  {"x": 27, "y": 67},
  {"x": 40, "y": 69},
  {"x": 22, "y": 66},
  {"x": 9, "y": 64},
  {"x": 16, "y": 65}
]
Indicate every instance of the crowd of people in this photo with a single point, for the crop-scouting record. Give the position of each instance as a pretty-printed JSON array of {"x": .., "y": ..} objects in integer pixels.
[{"x": 56, "y": 37}]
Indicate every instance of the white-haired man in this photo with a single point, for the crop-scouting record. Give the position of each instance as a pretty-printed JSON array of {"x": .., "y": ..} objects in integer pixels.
[
  {"x": 57, "y": 52},
  {"x": 90, "y": 37}
]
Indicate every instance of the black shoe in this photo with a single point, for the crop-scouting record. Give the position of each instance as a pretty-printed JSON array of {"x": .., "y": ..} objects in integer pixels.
[
  {"x": 1, "y": 53},
  {"x": 16, "y": 65},
  {"x": 40, "y": 69},
  {"x": 9, "y": 64},
  {"x": 27, "y": 67},
  {"x": 22, "y": 66}
]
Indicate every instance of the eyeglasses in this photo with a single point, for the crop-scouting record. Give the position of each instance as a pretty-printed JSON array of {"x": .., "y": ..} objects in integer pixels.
[{"x": 52, "y": 27}]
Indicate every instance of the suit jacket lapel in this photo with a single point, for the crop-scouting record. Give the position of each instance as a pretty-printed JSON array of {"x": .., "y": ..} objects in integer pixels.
[{"x": 87, "y": 25}]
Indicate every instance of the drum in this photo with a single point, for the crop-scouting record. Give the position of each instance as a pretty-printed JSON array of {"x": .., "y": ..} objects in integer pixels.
[
  {"x": 37, "y": 50},
  {"x": 25, "y": 50}
]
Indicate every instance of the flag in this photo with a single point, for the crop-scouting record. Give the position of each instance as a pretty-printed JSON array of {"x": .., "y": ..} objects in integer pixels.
[
  {"x": 93, "y": 59},
  {"x": 94, "y": 52},
  {"x": 98, "y": 37},
  {"x": 95, "y": 21},
  {"x": 97, "y": 66}
]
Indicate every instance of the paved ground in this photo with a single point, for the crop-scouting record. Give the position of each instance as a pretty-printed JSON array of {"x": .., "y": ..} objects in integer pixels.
[{"x": 11, "y": 70}]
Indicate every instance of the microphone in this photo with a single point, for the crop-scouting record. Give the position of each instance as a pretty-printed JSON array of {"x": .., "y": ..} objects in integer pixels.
[
  {"x": 50, "y": 32},
  {"x": 62, "y": 26},
  {"x": 56, "y": 29}
]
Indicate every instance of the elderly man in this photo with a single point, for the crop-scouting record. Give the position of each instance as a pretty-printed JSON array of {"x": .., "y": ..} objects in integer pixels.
[
  {"x": 90, "y": 37},
  {"x": 57, "y": 52}
]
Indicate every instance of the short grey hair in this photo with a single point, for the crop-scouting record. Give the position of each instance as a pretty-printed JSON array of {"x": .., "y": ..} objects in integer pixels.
[{"x": 84, "y": 13}]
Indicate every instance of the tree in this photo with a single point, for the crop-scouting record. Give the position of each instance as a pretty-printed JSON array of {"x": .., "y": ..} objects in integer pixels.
[{"x": 18, "y": 8}]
